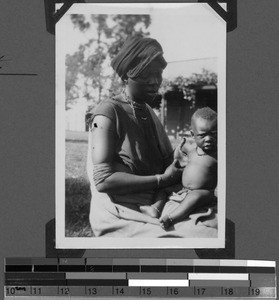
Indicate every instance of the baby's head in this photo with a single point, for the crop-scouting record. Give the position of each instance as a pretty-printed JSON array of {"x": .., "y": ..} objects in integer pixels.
[{"x": 204, "y": 129}]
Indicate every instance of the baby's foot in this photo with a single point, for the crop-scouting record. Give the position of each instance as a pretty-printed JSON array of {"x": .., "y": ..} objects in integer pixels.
[
  {"x": 149, "y": 211},
  {"x": 166, "y": 221}
]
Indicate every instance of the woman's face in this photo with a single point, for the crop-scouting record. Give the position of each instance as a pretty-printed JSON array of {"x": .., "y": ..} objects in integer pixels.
[{"x": 145, "y": 86}]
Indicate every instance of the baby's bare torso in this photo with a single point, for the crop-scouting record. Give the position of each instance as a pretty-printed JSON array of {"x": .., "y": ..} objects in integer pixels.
[{"x": 201, "y": 170}]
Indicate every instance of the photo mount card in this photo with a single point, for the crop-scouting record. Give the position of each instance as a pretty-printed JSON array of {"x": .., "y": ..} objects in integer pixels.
[{"x": 193, "y": 38}]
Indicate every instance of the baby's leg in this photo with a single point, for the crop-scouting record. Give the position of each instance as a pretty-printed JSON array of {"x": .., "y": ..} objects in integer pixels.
[
  {"x": 156, "y": 208},
  {"x": 150, "y": 211},
  {"x": 193, "y": 200}
]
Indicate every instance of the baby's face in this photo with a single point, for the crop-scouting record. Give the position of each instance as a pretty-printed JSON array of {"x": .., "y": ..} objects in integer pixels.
[{"x": 205, "y": 134}]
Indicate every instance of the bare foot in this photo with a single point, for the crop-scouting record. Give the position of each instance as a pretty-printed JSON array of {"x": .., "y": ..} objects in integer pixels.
[
  {"x": 166, "y": 221},
  {"x": 149, "y": 211}
]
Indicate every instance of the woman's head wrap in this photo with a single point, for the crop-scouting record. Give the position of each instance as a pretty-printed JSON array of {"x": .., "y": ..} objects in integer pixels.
[{"x": 135, "y": 55}]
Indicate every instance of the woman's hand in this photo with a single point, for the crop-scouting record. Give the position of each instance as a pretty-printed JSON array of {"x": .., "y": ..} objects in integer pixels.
[{"x": 172, "y": 174}]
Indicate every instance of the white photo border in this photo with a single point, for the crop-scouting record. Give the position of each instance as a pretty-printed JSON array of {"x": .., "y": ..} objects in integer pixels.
[{"x": 63, "y": 242}]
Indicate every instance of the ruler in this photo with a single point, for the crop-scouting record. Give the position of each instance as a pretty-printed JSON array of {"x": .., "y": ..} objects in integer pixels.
[{"x": 127, "y": 278}]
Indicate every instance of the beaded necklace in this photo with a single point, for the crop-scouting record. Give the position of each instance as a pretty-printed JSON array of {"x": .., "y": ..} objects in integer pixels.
[{"x": 134, "y": 105}]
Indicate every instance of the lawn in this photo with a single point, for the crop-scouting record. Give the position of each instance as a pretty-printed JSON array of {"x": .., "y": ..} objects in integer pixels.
[{"x": 77, "y": 185}]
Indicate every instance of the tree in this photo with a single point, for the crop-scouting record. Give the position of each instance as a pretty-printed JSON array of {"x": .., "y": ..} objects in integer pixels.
[
  {"x": 86, "y": 75},
  {"x": 126, "y": 25},
  {"x": 72, "y": 90}
]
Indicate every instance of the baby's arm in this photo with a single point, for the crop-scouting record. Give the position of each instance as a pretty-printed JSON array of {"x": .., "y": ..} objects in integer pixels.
[
  {"x": 156, "y": 208},
  {"x": 180, "y": 155},
  {"x": 182, "y": 151}
]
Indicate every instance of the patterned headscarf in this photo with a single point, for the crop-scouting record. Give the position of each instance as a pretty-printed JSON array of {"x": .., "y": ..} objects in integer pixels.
[{"x": 135, "y": 55}]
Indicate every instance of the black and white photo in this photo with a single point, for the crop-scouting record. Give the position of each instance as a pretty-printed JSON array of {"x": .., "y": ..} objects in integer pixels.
[{"x": 140, "y": 126}]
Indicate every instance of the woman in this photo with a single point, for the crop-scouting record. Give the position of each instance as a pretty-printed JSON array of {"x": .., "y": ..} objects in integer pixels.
[{"x": 130, "y": 155}]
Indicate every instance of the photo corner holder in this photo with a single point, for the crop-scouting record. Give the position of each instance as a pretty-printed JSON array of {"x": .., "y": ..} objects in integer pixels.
[
  {"x": 229, "y": 15},
  {"x": 50, "y": 249},
  {"x": 53, "y": 16}
]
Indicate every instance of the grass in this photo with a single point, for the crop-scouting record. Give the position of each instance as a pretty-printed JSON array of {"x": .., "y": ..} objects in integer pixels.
[
  {"x": 77, "y": 207},
  {"x": 77, "y": 187},
  {"x": 76, "y": 156}
]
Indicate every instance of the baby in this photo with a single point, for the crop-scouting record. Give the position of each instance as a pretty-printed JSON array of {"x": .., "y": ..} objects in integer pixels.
[{"x": 199, "y": 177}]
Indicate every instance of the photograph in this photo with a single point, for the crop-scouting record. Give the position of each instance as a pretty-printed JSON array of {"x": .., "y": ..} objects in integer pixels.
[
  {"x": 140, "y": 125},
  {"x": 102, "y": 161}
]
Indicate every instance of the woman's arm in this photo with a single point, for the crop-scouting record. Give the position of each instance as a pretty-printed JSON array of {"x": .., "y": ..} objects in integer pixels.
[{"x": 104, "y": 140}]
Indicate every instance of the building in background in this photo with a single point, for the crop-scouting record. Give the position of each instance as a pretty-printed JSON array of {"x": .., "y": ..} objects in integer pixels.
[
  {"x": 194, "y": 86},
  {"x": 176, "y": 111}
]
